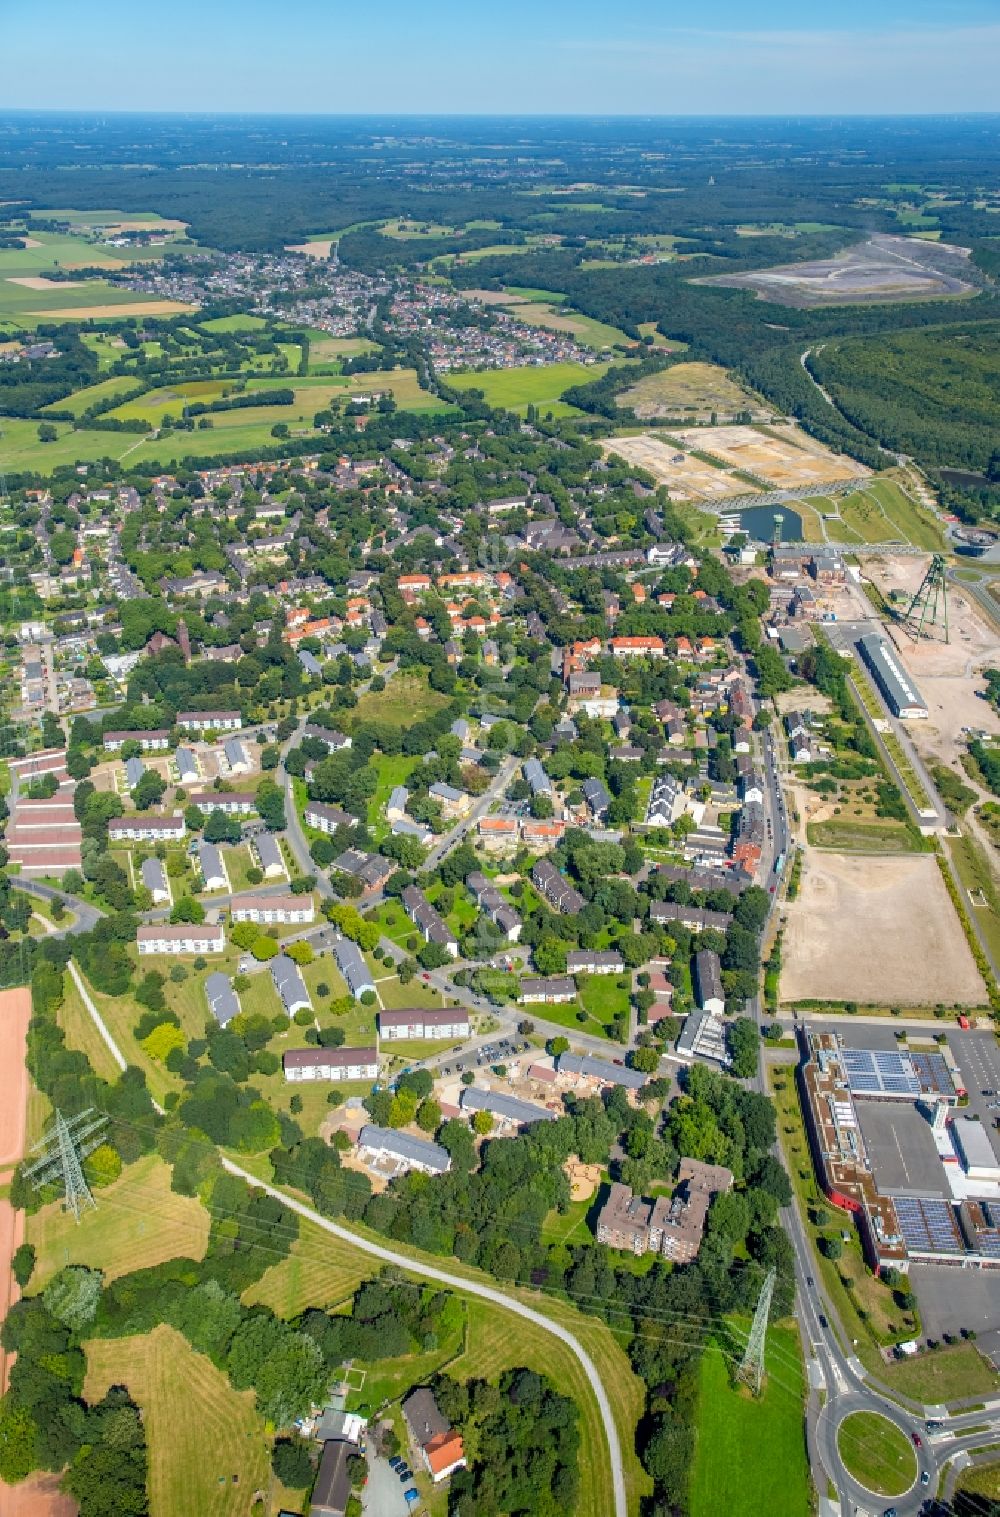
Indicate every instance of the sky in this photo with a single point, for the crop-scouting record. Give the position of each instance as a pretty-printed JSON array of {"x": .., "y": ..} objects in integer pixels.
[{"x": 520, "y": 56}]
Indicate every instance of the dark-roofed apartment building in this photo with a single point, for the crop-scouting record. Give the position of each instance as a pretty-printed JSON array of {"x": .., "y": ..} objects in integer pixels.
[
  {"x": 149, "y": 742},
  {"x": 448, "y": 1022},
  {"x": 492, "y": 904},
  {"x": 508, "y": 1109},
  {"x": 223, "y": 1002},
  {"x": 708, "y": 981},
  {"x": 594, "y": 961},
  {"x": 351, "y": 963},
  {"x": 556, "y": 890},
  {"x": 695, "y": 917},
  {"x": 423, "y": 916},
  {"x": 326, "y": 818},
  {"x": 402, "y": 1150},
  {"x": 371, "y": 870},
  {"x": 583, "y": 1068},
  {"x": 290, "y": 985},
  {"x": 330, "y": 1064},
  {"x": 552, "y": 988},
  {"x": 209, "y": 721},
  {"x": 672, "y": 1226}
]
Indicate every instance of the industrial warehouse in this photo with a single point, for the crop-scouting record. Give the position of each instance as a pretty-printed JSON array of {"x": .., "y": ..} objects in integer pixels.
[
  {"x": 922, "y": 1183},
  {"x": 901, "y": 695}
]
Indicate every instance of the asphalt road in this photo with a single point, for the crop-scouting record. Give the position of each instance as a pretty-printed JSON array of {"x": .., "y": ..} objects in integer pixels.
[{"x": 470, "y": 1288}]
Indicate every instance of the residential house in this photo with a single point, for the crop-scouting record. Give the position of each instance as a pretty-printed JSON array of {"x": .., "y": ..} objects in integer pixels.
[
  {"x": 557, "y": 891},
  {"x": 154, "y": 877},
  {"x": 449, "y": 1022},
  {"x": 330, "y": 1063},
  {"x": 223, "y": 1002},
  {"x": 426, "y": 919},
  {"x": 440, "y": 1445},
  {"x": 264, "y": 909},
  {"x": 180, "y": 938},
  {"x": 387, "y": 1146}
]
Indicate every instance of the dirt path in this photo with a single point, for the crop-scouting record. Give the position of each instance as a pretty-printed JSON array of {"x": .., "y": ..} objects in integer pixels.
[{"x": 15, "y": 1013}]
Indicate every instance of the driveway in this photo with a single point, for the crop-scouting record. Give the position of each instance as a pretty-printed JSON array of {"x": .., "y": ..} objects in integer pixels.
[{"x": 383, "y": 1495}]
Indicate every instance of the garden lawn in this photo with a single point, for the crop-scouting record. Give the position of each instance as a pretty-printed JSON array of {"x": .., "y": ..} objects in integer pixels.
[
  {"x": 535, "y": 385},
  {"x": 407, "y": 698},
  {"x": 566, "y": 1014},
  {"x": 570, "y": 1226},
  {"x": 605, "y": 996},
  {"x": 139, "y": 1222},
  {"x": 750, "y": 1455},
  {"x": 877, "y": 1453},
  {"x": 203, "y": 1436}
]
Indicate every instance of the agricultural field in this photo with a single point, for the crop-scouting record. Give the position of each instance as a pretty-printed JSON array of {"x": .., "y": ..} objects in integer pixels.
[
  {"x": 326, "y": 353},
  {"x": 879, "y": 930},
  {"x": 97, "y": 394},
  {"x": 695, "y": 389},
  {"x": 139, "y": 1222},
  {"x": 208, "y": 1445},
  {"x": 539, "y": 385},
  {"x": 593, "y": 334},
  {"x": 750, "y": 1455},
  {"x": 246, "y": 429}
]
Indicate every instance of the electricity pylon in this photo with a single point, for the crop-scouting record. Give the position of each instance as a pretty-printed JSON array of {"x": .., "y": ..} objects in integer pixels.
[
  {"x": 751, "y": 1370},
  {"x": 921, "y": 615},
  {"x": 61, "y": 1151}
]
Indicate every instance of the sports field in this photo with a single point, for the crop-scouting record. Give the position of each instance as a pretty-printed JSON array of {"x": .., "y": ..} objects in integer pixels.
[
  {"x": 538, "y": 385},
  {"x": 750, "y": 1455}
]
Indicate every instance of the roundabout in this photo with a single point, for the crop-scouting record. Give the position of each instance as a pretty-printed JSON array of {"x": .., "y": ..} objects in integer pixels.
[{"x": 877, "y": 1453}]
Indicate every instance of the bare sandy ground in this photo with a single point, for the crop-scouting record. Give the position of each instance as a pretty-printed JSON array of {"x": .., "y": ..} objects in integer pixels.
[
  {"x": 38, "y": 1496},
  {"x": 135, "y": 308},
  {"x": 38, "y": 282},
  {"x": 685, "y": 477},
  {"x": 876, "y": 930},
  {"x": 782, "y": 458},
  {"x": 318, "y": 249},
  {"x": 15, "y": 1013}
]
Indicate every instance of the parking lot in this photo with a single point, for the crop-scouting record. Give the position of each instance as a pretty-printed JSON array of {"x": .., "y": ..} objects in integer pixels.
[
  {"x": 978, "y": 1057},
  {"x": 383, "y": 1495},
  {"x": 951, "y": 1299}
]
